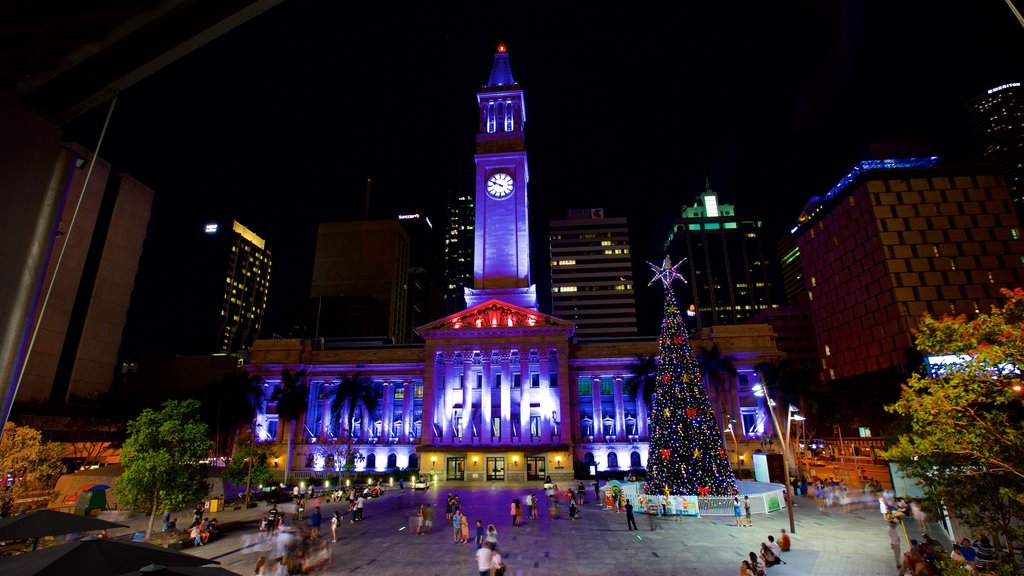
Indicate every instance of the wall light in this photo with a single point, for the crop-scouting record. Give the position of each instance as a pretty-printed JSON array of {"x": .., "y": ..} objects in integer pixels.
[
  {"x": 433, "y": 458},
  {"x": 475, "y": 459},
  {"x": 515, "y": 459},
  {"x": 558, "y": 459}
]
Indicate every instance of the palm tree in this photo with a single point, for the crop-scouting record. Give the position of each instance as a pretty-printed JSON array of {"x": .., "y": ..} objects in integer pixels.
[
  {"x": 352, "y": 392},
  {"x": 228, "y": 404},
  {"x": 292, "y": 399},
  {"x": 715, "y": 365},
  {"x": 642, "y": 385}
]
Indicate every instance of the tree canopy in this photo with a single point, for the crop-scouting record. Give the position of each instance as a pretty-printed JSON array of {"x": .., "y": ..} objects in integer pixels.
[
  {"x": 965, "y": 437},
  {"x": 162, "y": 459},
  {"x": 237, "y": 470},
  {"x": 34, "y": 463}
]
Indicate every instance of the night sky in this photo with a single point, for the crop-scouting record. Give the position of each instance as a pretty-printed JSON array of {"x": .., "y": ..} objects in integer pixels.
[{"x": 279, "y": 122}]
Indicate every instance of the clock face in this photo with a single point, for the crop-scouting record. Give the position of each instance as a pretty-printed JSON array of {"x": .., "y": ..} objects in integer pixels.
[{"x": 500, "y": 185}]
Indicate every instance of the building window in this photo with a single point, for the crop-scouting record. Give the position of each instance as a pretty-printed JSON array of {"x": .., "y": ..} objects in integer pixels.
[
  {"x": 490, "y": 118},
  {"x": 586, "y": 386},
  {"x": 534, "y": 380},
  {"x": 613, "y": 460},
  {"x": 553, "y": 380},
  {"x": 371, "y": 461},
  {"x": 634, "y": 459},
  {"x": 535, "y": 426},
  {"x": 479, "y": 381},
  {"x": 828, "y": 351},
  {"x": 509, "y": 123},
  {"x": 497, "y": 381},
  {"x": 515, "y": 381},
  {"x": 607, "y": 387},
  {"x": 392, "y": 461}
]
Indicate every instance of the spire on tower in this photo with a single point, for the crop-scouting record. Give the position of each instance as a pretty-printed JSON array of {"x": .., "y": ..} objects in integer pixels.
[{"x": 501, "y": 73}]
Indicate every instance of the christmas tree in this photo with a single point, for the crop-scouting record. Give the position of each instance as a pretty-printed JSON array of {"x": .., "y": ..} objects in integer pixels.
[{"x": 687, "y": 456}]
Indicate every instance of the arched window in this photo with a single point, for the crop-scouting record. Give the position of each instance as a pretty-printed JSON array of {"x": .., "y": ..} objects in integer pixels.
[
  {"x": 392, "y": 461},
  {"x": 634, "y": 459},
  {"x": 613, "y": 460},
  {"x": 588, "y": 458},
  {"x": 371, "y": 461},
  {"x": 414, "y": 461}
]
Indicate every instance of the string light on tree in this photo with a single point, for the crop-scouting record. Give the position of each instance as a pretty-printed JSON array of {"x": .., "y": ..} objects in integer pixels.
[{"x": 687, "y": 456}]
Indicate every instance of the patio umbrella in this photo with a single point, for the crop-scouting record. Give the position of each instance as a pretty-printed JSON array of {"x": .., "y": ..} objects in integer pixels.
[
  {"x": 94, "y": 488},
  {"x": 157, "y": 569},
  {"x": 96, "y": 557},
  {"x": 49, "y": 523}
]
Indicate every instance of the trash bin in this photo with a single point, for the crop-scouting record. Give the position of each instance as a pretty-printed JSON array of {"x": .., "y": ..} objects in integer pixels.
[{"x": 216, "y": 505}]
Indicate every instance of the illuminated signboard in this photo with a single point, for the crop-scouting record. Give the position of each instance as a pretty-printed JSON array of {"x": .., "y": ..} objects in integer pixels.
[
  {"x": 1004, "y": 87},
  {"x": 211, "y": 228}
]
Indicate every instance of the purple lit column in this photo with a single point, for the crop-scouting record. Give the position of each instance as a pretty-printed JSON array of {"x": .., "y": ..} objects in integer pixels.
[
  {"x": 486, "y": 433},
  {"x": 467, "y": 394},
  {"x": 620, "y": 411},
  {"x": 506, "y": 396},
  {"x": 524, "y": 394},
  {"x": 407, "y": 402},
  {"x": 546, "y": 404}
]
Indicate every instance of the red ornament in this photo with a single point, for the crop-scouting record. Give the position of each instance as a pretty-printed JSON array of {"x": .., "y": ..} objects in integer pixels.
[
  {"x": 666, "y": 453},
  {"x": 667, "y": 378},
  {"x": 704, "y": 490},
  {"x": 691, "y": 412},
  {"x": 721, "y": 452}
]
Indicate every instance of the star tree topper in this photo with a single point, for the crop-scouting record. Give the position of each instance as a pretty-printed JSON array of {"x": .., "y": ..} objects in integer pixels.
[{"x": 666, "y": 272}]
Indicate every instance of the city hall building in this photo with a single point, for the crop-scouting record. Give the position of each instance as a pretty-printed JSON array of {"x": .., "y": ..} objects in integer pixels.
[{"x": 498, "y": 391}]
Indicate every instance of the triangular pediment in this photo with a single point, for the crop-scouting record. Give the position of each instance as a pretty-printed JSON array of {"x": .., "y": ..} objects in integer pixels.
[{"x": 495, "y": 318}]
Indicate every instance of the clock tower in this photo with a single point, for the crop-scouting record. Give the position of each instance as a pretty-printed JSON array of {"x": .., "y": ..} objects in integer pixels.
[{"x": 501, "y": 257}]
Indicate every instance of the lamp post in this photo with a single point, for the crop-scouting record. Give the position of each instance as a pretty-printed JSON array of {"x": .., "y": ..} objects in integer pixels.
[
  {"x": 252, "y": 454},
  {"x": 735, "y": 444},
  {"x": 760, "y": 390}
]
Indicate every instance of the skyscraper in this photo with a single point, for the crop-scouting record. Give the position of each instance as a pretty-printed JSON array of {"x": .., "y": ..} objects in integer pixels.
[
  {"x": 458, "y": 243},
  {"x": 726, "y": 265},
  {"x": 998, "y": 119},
  {"x": 92, "y": 264},
  {"x": 246, "y": 286},
  {"x": 592, "y": 273},
  {"x": 895, "y": 239}
]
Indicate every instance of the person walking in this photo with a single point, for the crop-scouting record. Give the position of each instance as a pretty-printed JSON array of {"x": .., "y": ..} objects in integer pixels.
[
  {"x": 737, "y": 510},
  {"x": 573, "y": 509},
  {"x": 746, "y": 509},
  {"x": 535, "y": 514},
  {"x": 630, "y": 519},
  {"x": 479, "y": 534},
  {"x": 465, "y": 529},
  {"x": 492, "y": 535},
  {"x": 360, "y": 502},
  {"x": 335, "y": 520},
  {"x": 419, "y": 520},
  {"x": 483, "y": 560}
]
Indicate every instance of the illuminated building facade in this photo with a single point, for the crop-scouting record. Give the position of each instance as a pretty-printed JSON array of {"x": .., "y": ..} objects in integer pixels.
[
  {"x": 245, "y": 290},
  {"x": 726, "y": 266},
  {"x": 895, "y": 239},
  {"x": 998, "y": 120},
  {"x": 498, "y": 391},
  {"x": 458, "y": 243},
  {"x": 592, "y": 273}
]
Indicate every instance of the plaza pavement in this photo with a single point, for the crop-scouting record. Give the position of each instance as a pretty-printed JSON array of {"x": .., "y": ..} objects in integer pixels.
[{"x": 832, "y": 543}]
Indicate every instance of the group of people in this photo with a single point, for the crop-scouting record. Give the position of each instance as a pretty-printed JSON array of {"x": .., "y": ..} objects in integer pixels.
[
  {"x": 923, "y": 556},
  {"x": 770, "y": 555}
]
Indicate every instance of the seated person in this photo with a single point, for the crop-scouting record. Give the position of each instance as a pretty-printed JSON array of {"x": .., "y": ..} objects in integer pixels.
[
  {"x": 967, "y": 550},
  {"x": 774, "y": 546},
  {"x": 983, "y": 552},
  {"x": 769, "y": 557},
  {"x": 171, "y": 526},
  {"x": 784, "y": 542},
  {"x": 958, "y": 557}
]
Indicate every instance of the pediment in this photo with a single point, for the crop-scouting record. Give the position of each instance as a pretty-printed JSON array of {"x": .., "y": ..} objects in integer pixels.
[{"x": 495, "y": 318}]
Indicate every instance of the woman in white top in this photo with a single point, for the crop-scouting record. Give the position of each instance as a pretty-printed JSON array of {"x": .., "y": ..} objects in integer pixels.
[{"x": 496, "y": 562}]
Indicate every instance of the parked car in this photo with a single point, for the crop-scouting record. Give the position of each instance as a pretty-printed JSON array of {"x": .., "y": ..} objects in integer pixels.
[{"x": 420, "y": 484}]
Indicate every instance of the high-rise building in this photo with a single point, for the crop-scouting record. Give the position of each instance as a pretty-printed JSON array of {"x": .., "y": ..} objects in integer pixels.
[
  {"x": 458, "y": 244},
  {"x": 895, "y": 239},
  {"x": 998, "y": 120},
  {"x": 592, "y": 273},
  {"x": 360, "y": 275},
  {"x": 246, "y": 287},
  {"x": 726, "y": 265},
  {"x": 92, "y": 262}
]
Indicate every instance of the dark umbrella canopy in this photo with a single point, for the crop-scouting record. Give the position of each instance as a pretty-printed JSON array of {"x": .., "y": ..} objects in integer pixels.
[
  {"x": 50, "y": 523},
  {"x": 157, "y": 570},
  {"x": 95, "y": 557}
]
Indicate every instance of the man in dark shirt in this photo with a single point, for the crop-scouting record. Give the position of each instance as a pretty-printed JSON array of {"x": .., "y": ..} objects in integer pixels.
[{"x": 630, "y": 520}]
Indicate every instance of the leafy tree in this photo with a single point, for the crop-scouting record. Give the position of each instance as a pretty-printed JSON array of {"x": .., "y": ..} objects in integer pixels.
[
  {"x": 642, "y": 383},
  {"x": 34, "y": 463},
  {"x": 292, "y": 399},
  {"x": 237, "y": 470},
  {"x": 965, "y": 437},
  {"x": 161, "y": 458},
  {"x": 352, "y": 393},
  {"x": 229, "y": 404}
]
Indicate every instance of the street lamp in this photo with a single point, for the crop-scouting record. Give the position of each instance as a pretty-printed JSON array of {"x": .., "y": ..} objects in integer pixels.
[
  {"x": 760, "y": 390},
  {"x": 735, "y": 444}
]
